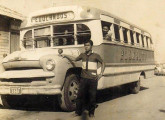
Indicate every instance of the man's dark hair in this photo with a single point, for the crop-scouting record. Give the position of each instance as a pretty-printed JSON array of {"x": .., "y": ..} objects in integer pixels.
[{"x": 88, "y": 41}]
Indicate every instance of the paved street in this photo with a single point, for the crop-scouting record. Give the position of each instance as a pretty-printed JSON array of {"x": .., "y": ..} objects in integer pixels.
[{"x": 148, "y": 104}]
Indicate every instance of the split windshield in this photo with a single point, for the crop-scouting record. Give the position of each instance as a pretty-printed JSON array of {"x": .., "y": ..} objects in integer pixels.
[{"x": 59, "y": 35}]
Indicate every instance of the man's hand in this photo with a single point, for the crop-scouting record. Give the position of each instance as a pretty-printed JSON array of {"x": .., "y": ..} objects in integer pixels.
[
  {"x": 99, "y": 76},
  {"x": 71, "y": 58},
  {"x": 62, "y": 55}
]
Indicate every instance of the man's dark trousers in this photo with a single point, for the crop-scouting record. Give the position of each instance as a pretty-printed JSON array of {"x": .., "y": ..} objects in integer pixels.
[{"x": 86, "y": 98}]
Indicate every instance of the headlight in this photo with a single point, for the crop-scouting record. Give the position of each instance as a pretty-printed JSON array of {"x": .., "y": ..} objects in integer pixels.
[{"x": 50, "y": 64}]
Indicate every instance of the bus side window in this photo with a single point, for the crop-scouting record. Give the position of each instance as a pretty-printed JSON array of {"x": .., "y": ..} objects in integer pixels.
[
  {"x": 137, "y": 38},
  {"x": 83, "y": 33},
  {"x": 132, "y": 38},
  {"x": 147, "y": 42},
  {"x": 142, "y": 38},
  {"x": 117, "y": 33},
  {"x": 106, "y": 30},
  {"x": 125, "y": 35},
  {"x": 27, "y": 40}
]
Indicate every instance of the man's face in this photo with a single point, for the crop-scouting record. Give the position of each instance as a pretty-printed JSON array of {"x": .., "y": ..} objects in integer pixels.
[
  {"x": 105, "y": 29},
  {"x": 87, "y": 47}
]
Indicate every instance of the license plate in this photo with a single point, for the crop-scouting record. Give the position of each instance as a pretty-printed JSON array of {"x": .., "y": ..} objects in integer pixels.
[{"x": 15, "y": 90}]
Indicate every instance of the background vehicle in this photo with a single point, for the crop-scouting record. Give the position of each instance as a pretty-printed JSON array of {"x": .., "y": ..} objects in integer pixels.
[
  {"x": 160, "y": 69},
  {"x": 39, "y": 69}
]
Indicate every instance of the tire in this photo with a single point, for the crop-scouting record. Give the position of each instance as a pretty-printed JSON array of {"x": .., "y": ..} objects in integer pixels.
[
  {"x": 67, "y": 100},
  {"x": 135, "y": 87},
  {"x": 126, "y": 88},
  {"x": 10, "y": 101}
]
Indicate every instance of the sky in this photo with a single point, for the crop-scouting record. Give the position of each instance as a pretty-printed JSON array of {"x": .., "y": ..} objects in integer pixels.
[{"x": 148, "y": 14}]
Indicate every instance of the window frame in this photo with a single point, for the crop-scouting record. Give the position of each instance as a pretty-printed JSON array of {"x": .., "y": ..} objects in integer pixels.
[
  {"x": 110, "y": 25},
  {"x": 28, "y": 39},
  {"x": 82, "y": 33},
  {"x": 132, "y": 37},
  {"x": 125, "y": 35}
]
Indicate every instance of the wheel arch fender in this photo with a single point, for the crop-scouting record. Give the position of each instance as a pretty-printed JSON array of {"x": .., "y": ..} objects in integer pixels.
[
  {"x": 73, "y": 70},
  {"x": 142, "y": 74}
]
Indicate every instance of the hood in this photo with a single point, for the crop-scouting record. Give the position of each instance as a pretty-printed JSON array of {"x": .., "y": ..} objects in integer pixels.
[{"x": 36, "y": 54}]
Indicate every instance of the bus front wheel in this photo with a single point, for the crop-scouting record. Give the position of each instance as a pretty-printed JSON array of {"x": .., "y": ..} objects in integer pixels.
[
  {"x": 9, "y": 101},
  {"x": 67, "y": 100}
]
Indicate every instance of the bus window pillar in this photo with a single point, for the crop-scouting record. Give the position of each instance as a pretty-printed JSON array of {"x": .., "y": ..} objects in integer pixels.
[
  {"x": 21, "y": 41},
  {"x": 75, "y": 40},
  {"x": 51, "y": 34},
  {"x": 134, "y": 38},
  {"x": 33, "y": 38},
  {"x": 75, "y": 34},
  {"x": 113, "y": 32},
  {"x": 129, "y": 37},
  {"x": 140, "y": 41},
  {"x": 121, "y": 34}
]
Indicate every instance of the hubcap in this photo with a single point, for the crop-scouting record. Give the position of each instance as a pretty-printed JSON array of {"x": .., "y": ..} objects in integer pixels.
[{"x": 73, "y": 90}]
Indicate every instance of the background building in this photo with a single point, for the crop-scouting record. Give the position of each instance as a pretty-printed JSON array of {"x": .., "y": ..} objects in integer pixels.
[{"x": 10, "y": 22}]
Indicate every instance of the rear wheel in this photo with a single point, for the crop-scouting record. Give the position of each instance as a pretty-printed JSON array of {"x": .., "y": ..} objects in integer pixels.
[
  {"x": 69, "y": 93},
  {"x": 135, "y": 86}
]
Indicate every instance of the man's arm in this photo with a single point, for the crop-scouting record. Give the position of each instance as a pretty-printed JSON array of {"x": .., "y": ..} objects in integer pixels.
[
  {"x": 102, "y": 67},
  {"x": 71, "y": 58},
  {"x": 102, "y": 70},
  {"x": 109, "y": 35}
]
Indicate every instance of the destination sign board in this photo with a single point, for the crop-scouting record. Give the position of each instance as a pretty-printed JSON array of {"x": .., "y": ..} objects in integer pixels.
[{"x": 52, "y": 17}]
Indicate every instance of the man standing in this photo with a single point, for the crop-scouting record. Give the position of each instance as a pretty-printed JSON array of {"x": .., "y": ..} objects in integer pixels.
[{"x": 89, "y": 79}]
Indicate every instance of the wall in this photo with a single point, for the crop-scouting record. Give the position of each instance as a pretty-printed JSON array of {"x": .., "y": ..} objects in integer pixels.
[{"x": 9, "y": 35}]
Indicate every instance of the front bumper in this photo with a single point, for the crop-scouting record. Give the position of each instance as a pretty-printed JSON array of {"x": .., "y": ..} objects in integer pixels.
[{"x": 30, "y": 90}]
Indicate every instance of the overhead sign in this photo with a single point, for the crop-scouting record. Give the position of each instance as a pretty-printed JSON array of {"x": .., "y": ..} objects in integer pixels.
[{"x": 52, "y": 17}]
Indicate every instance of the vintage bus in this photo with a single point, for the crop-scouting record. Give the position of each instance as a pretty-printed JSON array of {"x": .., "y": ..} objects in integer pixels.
[{"x": 39, "y": 68}]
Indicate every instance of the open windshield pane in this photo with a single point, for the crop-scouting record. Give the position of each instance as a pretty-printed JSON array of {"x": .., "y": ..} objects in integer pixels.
[
  {"x": 42, "y": 37},
  {"x": 42, "y": 32}
]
